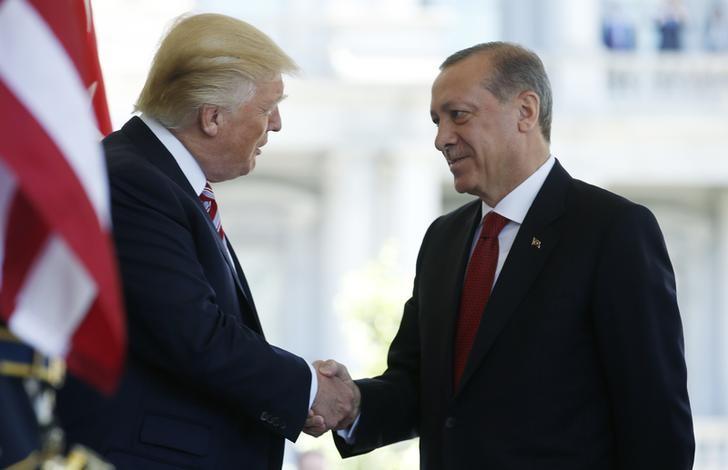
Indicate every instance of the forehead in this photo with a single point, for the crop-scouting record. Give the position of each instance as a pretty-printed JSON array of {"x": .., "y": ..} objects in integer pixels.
[
  {"x": 461, "y": 80},
  {"x": 269, "y": 90}
]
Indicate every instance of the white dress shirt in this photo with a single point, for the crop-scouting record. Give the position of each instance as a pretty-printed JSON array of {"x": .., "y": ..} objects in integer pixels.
[
  {"x": 195, "y": 176},
  {"x": 514, "y": 207}
]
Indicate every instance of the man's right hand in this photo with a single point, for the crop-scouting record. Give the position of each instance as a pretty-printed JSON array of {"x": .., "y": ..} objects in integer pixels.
[{"x": 337, "y": 401}]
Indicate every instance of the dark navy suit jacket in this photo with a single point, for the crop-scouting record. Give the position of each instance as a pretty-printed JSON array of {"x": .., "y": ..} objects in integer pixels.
[
  {"x": 202, "y": 387},
  {"x": 578, "y": 362}
]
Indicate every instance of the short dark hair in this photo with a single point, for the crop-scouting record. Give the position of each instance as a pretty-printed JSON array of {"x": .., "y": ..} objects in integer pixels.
[{"x": 515, "y": 69}]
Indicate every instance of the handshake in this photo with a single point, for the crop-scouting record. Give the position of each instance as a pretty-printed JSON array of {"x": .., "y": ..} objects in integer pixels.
[{"x": 337, "y": 401}]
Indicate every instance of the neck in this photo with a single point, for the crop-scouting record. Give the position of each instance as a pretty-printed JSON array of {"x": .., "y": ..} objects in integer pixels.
[
  {"x": 511, "y": 178},
  {"x": 194, "y": 144}
]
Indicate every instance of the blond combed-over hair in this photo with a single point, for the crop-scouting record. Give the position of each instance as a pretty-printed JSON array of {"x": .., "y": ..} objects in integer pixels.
[{"x": 208, "y": 59}]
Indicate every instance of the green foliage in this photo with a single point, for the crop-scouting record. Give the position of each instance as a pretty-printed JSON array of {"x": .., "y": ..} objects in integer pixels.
[{"x": 370, "y": 305}]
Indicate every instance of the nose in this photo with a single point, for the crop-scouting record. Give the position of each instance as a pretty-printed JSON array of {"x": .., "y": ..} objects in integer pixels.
[
  {"x": 274, "y": 122},
  {"x": 444, "y": 137}
]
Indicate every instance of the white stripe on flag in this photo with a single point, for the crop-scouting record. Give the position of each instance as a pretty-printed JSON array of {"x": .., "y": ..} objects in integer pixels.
[
  {"x": 56, "y": 274},
  {"x": 7, "y": 190},
  {"x": 65, "y": 117}
]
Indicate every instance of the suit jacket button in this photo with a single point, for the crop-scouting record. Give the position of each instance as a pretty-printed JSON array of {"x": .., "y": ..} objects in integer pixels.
[{"x": 450, "y": 422}]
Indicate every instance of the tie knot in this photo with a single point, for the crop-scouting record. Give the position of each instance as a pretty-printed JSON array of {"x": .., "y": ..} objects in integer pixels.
[
  {"x": 493, "y": 225},
  {"x": 207, "y": 194},
  {"x": 208, "y": 202}
]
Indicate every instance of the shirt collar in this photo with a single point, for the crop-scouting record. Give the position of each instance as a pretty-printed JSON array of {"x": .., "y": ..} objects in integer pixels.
[
  {"x": 185, "y": 160},
  {"x": 515, "y": 205}
]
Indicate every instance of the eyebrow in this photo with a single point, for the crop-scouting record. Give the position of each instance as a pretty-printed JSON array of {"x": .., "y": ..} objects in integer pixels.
[
  {"x": 462, "y": 104},
  {"x": 281, "y": 98},
  {"x": 445, "y": 106}
]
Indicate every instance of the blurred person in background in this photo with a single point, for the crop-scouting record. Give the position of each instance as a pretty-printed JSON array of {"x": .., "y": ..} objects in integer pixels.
[
  {"x": 618, "y": 30},
  {"x": 671, "y": 26},
  {"x": 715, "y": 37},
  {"x": 202, "y": 387},
  {"x": 543, "y": 329}
]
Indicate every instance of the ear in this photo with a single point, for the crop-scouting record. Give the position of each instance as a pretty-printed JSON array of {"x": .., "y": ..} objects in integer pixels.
[
  {"x": 210, "y": 119},
  {"x": 528, "y": 110}
]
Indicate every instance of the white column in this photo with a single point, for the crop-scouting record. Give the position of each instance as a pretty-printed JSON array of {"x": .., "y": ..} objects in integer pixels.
[
  {"x": 690, "y": 236},
  {"x": 575, "y": 57},
  {"x": 477, "y": 21},
  {"x": 299, "y": 305},
  {"x": 346, "y": 239},
  {"x": 720, "y": 381},
  {"x": 413, "y": 199},
  {"x": 574, "y": 25}
]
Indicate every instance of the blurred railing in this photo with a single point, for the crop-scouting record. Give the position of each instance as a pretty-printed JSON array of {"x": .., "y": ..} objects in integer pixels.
[
  {"x": 711, "y": 441},
  {"x": 678, "y": 76}
]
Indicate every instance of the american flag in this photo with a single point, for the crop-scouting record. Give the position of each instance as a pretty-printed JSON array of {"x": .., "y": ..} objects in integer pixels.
[{"x": 59, "y": 289}]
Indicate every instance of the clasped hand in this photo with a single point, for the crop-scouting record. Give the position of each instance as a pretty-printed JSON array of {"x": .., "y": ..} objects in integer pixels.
[{"x": 337, "y": 400}]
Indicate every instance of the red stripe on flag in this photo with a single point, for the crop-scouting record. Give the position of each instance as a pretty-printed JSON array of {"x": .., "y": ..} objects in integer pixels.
[
  {"x": 73, "y": 26},
  {"x": 26, "y": 234},
  {"x": 51, "y": 186},
  {"x": 92, "y": 336}
]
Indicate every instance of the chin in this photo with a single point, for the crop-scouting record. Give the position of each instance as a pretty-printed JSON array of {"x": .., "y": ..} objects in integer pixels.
[
  {"x": 248, "y": 168},
  {"x": 462, "y": 186}
]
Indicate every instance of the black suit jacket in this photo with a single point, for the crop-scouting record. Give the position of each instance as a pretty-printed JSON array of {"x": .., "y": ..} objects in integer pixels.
[
  {"x": 578, "y": 362},
  {"x": 202, "y": 387}
]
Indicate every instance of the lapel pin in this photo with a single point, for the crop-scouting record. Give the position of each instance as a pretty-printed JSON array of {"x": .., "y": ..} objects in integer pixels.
[{"x": 536, "y": 242}]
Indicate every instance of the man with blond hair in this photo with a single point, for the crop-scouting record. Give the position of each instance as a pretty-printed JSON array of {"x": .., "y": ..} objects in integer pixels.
[{"x": 202, "y": 387}]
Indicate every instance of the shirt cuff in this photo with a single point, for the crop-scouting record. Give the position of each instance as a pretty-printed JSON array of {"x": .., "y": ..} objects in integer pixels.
[
  {"x": 314, "y": 386},
  {"x": 348, "y": 434}
]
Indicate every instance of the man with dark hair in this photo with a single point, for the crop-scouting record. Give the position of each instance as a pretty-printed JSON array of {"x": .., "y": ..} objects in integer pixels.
[{"x": 543, "y": 330}]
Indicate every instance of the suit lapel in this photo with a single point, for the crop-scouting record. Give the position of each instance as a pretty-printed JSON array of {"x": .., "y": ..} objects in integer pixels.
[
  {"x": 449, "y": 279},
  {"x": 159, "y": 156},
  {"x": 243, "y": 285},
  {"x": 525, "y": 261}
]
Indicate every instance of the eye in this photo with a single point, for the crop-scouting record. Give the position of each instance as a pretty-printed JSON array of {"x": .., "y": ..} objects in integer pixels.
[
  {"x": 457, "y": 115},
  {"x": 436, "y": 120}
]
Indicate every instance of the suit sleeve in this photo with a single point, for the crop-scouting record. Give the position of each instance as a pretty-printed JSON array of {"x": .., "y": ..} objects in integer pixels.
[
  {"x": 175, "y": 322},
  {"x": 640, "y": 341}
]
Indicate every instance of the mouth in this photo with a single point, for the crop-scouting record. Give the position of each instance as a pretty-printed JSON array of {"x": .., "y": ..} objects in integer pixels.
[
  {"x": 454, "y": 159},
  {"x": 259, "y": 147}
]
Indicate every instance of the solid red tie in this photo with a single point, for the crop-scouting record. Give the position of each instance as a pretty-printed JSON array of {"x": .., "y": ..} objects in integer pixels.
[
  {"x": 208, "y": 201},
  {"x": 476, "y": 290}
]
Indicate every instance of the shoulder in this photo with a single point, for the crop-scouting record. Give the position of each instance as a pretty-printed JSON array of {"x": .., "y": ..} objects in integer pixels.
[
  {"x": 587, "y": 199},
  {"x": 600, "y": 210},
  {"x": 133, "y": 178},
  {"x": 466, "y": 212}
]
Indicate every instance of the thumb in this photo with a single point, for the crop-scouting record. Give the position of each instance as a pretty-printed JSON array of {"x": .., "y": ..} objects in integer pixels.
[{"x": 329, "y": 368}]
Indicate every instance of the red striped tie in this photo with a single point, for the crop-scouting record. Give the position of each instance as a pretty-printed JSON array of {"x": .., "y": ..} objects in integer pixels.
[
  {"x": 208, "y": 200},
  {"x": 476, "y": 290}
]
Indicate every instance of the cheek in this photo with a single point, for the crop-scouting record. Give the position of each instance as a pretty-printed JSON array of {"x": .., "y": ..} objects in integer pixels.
[
  {"x": 255, "y": 134},
  {"x": 248, "y": 139},
  {"x": 263, "y": 129}
]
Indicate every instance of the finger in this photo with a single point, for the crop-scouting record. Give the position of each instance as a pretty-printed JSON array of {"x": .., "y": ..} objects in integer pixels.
[
  {"x": 315, "y": 421},
  {"x": 314, "y": 431},
  {"x": 329, "y": 368}
]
